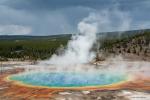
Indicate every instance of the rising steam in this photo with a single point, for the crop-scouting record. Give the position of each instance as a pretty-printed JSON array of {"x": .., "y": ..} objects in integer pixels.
[{"x": 79, "y": 47}]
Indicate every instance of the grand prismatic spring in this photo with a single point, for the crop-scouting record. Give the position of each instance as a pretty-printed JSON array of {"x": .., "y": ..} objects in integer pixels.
[{"x": 67, "y": 79}]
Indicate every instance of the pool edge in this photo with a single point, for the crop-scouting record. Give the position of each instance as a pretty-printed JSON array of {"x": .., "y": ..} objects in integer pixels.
[{"x": 20, "y": 83}]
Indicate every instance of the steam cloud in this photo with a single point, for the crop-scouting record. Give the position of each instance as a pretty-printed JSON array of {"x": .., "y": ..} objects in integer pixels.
[{"x": 79, "y": 47}]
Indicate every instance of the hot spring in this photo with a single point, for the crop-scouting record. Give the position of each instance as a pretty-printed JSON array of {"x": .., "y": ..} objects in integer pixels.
[{"x": 68, "y": 79}]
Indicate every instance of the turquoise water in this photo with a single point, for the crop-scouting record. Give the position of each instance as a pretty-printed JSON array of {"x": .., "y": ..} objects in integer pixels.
[{"x": 62, "y": 79}]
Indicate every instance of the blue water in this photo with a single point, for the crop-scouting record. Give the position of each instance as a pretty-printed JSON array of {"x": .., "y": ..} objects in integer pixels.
[{"x": 62, "y": 79}]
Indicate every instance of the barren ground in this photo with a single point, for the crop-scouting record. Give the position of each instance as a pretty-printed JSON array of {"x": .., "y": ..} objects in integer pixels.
[{"x": 133, "y": 90}]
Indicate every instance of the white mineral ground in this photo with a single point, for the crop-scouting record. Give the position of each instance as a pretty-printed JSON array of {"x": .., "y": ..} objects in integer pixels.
[
  {"x": 102, "y": 95},
  {"x": 7, "y": 65},
  {"x": 134, "y": 95}
]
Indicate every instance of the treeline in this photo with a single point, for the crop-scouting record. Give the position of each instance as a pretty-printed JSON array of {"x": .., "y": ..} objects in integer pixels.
[{"x": 30, "y": 49}]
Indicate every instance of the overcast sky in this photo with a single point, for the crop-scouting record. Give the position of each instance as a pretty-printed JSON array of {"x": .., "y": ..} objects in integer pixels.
[{"x": 47, "y": 17}]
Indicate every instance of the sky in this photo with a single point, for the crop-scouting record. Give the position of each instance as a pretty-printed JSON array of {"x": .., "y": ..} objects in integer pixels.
[{"x": 50, "y": 17}]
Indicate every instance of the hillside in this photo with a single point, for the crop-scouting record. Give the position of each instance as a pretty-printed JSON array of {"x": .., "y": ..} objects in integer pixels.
[
  {"x": 42, "y": 47},
  {"x": 137, "y": 45},
  {"x": 30, "y": 47}
]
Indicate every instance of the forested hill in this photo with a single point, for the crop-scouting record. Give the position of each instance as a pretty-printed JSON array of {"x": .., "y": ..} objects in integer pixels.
[
  {"x": 30, "y": 47},
  {"x": 137, "y": 45},
  {"x": 42, "y": 47}
]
